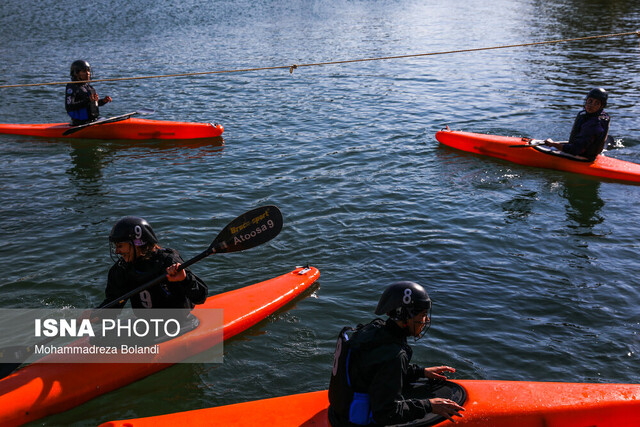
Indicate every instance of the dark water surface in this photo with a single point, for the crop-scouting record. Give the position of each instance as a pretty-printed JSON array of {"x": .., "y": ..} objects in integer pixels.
[{"x": 532, "y": 272}]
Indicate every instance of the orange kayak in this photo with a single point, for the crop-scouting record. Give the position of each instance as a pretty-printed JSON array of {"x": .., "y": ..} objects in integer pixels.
[
  {"x": 488, "y": 403},
  {"x": 501, "y": 148},
  {"x": 130, "y": 128},
  {"x": 42, "y": 389}
]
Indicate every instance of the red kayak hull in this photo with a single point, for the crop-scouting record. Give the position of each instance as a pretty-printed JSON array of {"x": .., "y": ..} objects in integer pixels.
[
  {"x": 131, "y": 128},
  {"x": 489, "y": 403},
  {"x": 500, "y": 147},
  {"x": 42, "y": 389}
]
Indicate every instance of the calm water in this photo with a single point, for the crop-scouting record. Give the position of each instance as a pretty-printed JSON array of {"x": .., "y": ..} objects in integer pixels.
[{"x": 532, "y": 272}]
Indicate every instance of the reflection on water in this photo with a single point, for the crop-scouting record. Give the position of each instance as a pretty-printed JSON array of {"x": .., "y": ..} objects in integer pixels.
[
  {"x": 89, "y": 157},
  {"x": 88, "y": 161},
  {"x": 520, "y": 206},
  {"x": 583, "y": 210},
  {"x": 207, "y": 145}
]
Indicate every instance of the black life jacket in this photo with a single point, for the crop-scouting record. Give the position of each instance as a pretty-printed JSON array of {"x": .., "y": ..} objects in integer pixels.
[
  {"x": 592, "y": 150},
  {"x": 79, "y": 105},
  {"x": 604, "y": 120},
  {"x": 344, "y": 401},
  {"x": 340, "y": 391}
]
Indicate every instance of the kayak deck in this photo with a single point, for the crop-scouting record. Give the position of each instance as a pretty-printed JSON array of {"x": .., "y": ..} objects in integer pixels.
[
  {"x": 501, "y": 148},
  {"x": 42, "y": 389},
  {"x": 131, "y": 128},
  {"x": 489, "y": 403}
]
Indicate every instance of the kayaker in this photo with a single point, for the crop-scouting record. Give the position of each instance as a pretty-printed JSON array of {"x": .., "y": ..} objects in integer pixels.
[
  {"x": 140, "y": 260},
  {"x": 372, "y": 370},
  {"x": 81, "y": 99},
  {"x": 590, "y": 129}
]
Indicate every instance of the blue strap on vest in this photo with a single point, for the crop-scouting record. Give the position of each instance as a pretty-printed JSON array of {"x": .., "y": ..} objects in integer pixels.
[
  {"x": 360, "y": 409},
  {"x": 82, "y": 114}
]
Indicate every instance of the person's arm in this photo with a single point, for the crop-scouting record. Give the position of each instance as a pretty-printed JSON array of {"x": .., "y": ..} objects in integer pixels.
[
  {"x": 385, "y": 391},
  {"x": 193, "y": 287},
  {"x": 414, "y": 373},
  {"x": 435, "y": 372},
  {"x": 104, "y": 100},
  {"x": 443, "y": 407},
  {"x": 446, "y": 408},
  {"x": 550, "y": 143}
]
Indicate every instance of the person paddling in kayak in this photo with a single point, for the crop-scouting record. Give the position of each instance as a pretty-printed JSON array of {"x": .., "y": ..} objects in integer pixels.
[
  {"x": 590, "y": 129},
  {"x": 140, "y": 260},
  {"x": 81, "y": 99},
  {"x": 372, "y": 372}
]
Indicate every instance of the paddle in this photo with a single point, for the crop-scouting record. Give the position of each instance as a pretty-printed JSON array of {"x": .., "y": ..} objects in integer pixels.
[
  {"x": 609, "y": 142},
  {"x": 142, "y": 112},
  {"x": 529, "y": 143},
  {"x": 249, "y": 230},
  {"x": 240, "y": 234}
]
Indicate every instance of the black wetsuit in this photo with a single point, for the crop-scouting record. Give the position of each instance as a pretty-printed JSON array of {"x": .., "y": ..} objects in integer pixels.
[
  {"x": 380, "y": 366},
  {"x": 79, "y": 105},
  {"x": 124, "y": 277},
  {"x": 588, "y": 135}
]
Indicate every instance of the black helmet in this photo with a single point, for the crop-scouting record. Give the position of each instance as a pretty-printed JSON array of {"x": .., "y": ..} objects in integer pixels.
[
  {"x": 79, "y": 65},
  {"x": 403, "y": 300},
  {"x": 133, "y": 229},
  {"x": 599, "y": 94}
]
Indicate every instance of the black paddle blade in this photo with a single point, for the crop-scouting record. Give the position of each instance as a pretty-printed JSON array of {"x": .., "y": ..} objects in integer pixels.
[{"x": 249, "y": 230}]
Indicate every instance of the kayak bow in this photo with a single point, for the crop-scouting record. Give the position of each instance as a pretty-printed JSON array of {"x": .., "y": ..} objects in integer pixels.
[
  {"x": 42, "y": 389},
  {"x": 489, "y": 403},
  {"x": 510, "y": 149},
  {"x": 130, "y": 128}
]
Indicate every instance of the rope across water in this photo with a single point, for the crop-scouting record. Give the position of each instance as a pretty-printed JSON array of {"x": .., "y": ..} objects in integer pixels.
[{"x": 346, "y": 61}]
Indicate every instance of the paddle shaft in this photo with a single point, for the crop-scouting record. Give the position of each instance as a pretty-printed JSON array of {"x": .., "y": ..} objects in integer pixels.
[
  {"x": 105, "y": 121},
  {"x": 530, "y": 143}
]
